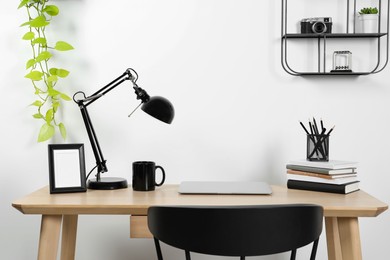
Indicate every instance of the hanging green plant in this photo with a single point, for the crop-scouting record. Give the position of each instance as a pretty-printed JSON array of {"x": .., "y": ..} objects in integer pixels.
[{"x": 43, "y": 76}]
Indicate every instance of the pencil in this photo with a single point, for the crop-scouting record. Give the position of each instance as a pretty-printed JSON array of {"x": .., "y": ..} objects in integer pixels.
[
  {"x": 304, "y": 128},
  {"x": 330, "y": 131},
  {"x": 311, "y": 127},
  {"x": 315, "y": 126}
]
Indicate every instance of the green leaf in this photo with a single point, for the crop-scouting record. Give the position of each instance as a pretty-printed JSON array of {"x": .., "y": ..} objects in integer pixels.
[
  {"x": 34, "y": 75},
  {"x": 63, "y": 46},
  {"x": 45, "y": 55},
  {"x": 37, "y": 103},
  {"x": 62, "y": 130},
  {"x": 52, "y": 78},
  {"x": 47, "y": 131},
  {"x": 40, "y": 40},
  {"x": 39, "y": 21},
  {"x": 56, "y": 105},
  {"x": 49, "y": 84},
  {"x": 22, "y": 3},
  {"x": 37, "y": 91},
  {"x": 51, "y": 10},
  {"x": 28, "y": 36},
  {"x": 30, "y": 63},
  {"x": 49, "y": 115},
  {"x": 53, "y": 92},
  {"x": 62, "y": 73},
  {"x": 38, "y": 116},
  {"x": 65, "y": 97},
  {"x": 53, "y": 71},
  {"x": 24, "y": 24}
]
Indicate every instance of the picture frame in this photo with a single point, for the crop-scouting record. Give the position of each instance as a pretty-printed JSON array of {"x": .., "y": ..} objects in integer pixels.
[{"x": 67, "y": 168}]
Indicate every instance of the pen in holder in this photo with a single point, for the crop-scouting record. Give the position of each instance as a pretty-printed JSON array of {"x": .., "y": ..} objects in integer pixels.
[{"x": 317, "y": 147}]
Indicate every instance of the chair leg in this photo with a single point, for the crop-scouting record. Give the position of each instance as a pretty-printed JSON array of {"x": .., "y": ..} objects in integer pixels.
[
  {"x": 293, "y": 254},
  {"x": 158, "y": 249},
  {"x": 188, "y": 256},
  {"x": 314, "y": 249},
  {"x": 242, "y": 257}
]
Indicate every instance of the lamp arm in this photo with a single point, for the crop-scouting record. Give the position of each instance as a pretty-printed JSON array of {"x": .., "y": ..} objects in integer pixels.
[
  {"x": 127, "y": 75},
  {"x": 100, "y": 161},
  {"x": 86, "y": 101}
]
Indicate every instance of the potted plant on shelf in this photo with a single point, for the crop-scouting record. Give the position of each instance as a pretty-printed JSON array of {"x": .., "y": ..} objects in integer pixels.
[
  {"x": 40, "y": 71},
  {"x": 369, "y": 19}
]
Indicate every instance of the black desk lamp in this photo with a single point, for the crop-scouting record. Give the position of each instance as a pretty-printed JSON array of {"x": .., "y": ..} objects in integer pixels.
[{"x": 158, "y": 107}]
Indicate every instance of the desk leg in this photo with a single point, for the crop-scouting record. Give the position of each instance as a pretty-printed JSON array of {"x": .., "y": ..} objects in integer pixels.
[
  {"x": 49, "y": 237},
  {"x": 350, "y": 238},
  {"x": 343, "y": 238},
  {"x": 69, "y": 232},
  {"x": 333, "y": 239}
]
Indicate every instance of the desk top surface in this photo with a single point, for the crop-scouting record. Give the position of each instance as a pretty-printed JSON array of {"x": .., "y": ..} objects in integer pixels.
[{"x": 129, "y": 202}]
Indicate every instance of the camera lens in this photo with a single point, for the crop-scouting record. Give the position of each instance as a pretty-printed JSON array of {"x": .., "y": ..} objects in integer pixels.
[{"x": 319, "y": 27}]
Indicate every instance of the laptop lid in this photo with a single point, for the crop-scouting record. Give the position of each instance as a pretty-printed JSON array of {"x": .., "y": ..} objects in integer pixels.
[{"x": 220, "y": 187}]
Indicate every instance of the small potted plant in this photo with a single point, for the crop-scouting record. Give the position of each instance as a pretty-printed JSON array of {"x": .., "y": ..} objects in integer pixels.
[{"x": 369, "y": 19}]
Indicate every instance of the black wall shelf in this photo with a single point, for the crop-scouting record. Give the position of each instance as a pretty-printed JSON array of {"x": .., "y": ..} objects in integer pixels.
[
  {"x": 333, "y": 35},
  {"x": 331, "y": 73},
  {"x": 381, "y": 38}
]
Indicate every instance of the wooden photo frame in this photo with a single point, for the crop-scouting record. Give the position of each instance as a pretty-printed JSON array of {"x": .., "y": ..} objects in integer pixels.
[{"x": 67, "y": 168}]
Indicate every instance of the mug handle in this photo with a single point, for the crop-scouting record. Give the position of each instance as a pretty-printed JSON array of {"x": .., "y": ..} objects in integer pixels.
[{"x": 163, "y": 175}]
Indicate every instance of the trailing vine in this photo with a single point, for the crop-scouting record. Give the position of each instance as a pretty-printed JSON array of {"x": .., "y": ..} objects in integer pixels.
[{"x": 43, "y": 76}]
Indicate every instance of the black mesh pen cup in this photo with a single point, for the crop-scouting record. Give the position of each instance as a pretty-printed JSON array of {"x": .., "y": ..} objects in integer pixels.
[{"x": 317, "y": 148}]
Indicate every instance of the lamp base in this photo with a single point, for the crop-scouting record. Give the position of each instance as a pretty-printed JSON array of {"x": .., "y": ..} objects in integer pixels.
[{"x": 107, "y": 183}]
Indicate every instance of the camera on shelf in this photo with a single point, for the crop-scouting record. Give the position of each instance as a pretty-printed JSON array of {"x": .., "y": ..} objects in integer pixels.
[{"x": 317, "y": 25}]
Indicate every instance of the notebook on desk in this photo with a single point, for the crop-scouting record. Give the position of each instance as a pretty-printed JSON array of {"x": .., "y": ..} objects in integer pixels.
[{"x": 220, "y": 187}]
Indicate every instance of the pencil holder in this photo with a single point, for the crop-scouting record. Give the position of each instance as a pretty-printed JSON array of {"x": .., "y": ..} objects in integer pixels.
[{"x": 317, "y": 148}]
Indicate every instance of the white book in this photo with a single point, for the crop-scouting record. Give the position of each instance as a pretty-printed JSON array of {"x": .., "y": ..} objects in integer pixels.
[
  {"x": 321, "y": 180},
  {"x": 331, "y": 164},
  {"x": 321, "y": 170}
]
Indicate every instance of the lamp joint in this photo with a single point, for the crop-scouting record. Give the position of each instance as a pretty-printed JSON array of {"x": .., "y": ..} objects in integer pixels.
[{"x": 141, "y": 94}]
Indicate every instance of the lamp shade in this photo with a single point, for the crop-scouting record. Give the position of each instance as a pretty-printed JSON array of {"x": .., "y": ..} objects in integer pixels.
[{"x": 159, "y": 108}]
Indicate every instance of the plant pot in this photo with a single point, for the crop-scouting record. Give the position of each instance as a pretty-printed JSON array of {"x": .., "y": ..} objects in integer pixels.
[{"x": 369, "y": 23}]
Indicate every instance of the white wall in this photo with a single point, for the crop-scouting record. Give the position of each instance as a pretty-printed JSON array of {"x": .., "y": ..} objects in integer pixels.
[{"x": 237, "y": 111}]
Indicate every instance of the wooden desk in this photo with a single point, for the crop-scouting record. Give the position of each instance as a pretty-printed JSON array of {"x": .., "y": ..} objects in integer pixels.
[{"x": 341, "y": 213}]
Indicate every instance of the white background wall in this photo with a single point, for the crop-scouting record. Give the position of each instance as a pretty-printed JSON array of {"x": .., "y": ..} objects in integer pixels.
[{"x": 237, "y": 111}]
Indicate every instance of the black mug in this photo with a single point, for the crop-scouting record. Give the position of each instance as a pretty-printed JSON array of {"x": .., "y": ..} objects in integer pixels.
[{"x": 144, "y": 176}]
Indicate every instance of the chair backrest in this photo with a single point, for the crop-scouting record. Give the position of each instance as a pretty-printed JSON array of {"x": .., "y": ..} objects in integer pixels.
[{"x": 236, "y": 230}]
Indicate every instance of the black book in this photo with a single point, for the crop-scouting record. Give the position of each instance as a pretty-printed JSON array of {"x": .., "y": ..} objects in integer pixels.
[{"x": 324, "y": 187}]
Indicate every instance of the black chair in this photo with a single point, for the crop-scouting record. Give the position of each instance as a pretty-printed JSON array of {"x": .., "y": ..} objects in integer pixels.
[{"x": 236, "y": 230}]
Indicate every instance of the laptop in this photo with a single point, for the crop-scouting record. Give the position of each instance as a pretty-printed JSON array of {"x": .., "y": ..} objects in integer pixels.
[{"x": 220, "y": 187}]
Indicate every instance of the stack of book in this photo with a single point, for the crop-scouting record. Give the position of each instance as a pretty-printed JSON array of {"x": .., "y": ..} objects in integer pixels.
[{"x": 331, "y": 176}]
